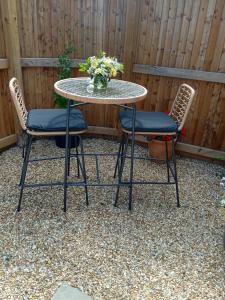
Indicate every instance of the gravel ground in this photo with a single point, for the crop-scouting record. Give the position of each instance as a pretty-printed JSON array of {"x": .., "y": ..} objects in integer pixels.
[{"x": 154, "y": 252}]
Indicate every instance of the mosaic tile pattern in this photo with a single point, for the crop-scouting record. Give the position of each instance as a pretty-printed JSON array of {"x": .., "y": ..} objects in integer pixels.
[{"x": 116, "y": 89}]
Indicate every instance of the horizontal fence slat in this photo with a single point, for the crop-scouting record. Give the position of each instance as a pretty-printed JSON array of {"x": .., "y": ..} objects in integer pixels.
[
  {"x": 183, "y": 148},
  {"x": 4, "y": 63},
  {"x": 180, "y": 147},
  {"x": 8, "y": 141},
  {"x": 46, "y": 62},
  {"x": 200, "y": 151},
  {"x": 103, "y": 130},
  {"x": 218, "y": 77},
  {"x": 179, "y": 73}
]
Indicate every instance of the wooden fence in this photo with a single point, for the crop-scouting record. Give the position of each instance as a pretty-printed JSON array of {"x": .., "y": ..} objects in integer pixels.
[{"x": 162, "y": 43}]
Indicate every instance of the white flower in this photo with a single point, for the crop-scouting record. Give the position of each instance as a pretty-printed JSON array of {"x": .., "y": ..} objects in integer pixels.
[{"x": 98, "y": 71}]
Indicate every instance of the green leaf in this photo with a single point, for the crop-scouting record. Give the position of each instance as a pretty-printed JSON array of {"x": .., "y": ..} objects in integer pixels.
[{"x": 65, "y": 71}]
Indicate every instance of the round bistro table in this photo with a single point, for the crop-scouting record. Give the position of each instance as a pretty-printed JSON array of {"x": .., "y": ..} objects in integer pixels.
[{"x": 119, "y": 93}]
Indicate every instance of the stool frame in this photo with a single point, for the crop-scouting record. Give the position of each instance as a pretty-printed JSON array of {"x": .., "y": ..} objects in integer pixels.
[{"x": 179, "y": 112}]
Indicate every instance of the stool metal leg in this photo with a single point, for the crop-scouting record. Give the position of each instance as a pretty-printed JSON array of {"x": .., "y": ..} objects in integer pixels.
[
  {"x": 119, "y": 154},
  {"x": 69, "y": 153},
  {"x": 78, "y": 165},
  {"x": 175, "y": 171},
  {"x": 66, "y": 155},
  {"x": 83, "y": 170},
  {"x": 24, "y": 151},
  {"x": 121, "y": 167},
  {"x": 167, "y": 163},
  {"x": 132, "y": 157},
  {"x": 24, "y": 142},
  {"x": 123, "y": 152},
  {"x": 24, "y": 170}
]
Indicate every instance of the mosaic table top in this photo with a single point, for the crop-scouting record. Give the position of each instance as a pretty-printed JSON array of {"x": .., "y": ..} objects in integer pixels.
[{"x": 118, "y": 91}]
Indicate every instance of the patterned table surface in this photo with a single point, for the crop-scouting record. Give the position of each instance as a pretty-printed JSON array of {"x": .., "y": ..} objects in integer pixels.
[{"x": 118, "y": 91}]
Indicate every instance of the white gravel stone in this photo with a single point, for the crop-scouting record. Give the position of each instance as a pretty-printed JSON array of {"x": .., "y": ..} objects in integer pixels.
[{"x": 154, "y": 252}]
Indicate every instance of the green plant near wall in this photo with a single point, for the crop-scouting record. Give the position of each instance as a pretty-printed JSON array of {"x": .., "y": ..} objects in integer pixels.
[{"x": 65, "y": 71}]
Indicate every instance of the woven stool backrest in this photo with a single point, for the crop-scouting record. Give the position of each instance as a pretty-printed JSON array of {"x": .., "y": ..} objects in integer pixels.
[
  {"x": 18, "y": 100},
  {"x": 182, "y": 104}
]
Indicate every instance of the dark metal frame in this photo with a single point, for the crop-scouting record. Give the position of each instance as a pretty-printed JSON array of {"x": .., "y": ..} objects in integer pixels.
[
  {"x": 26, "y": 149},
  {"x": 120, "y": 162},
  {"x": 68, "y": 155},
  {"x": 26, "y": 161},
  {"x": 122, "y": 155}
]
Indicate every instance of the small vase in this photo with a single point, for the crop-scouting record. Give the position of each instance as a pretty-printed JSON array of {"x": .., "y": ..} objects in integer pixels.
[
  {"x": 97, "y": 83},
  {"x": 100, "y": 82}
]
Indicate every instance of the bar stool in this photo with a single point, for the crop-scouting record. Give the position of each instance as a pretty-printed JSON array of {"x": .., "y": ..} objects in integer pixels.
[
  {"x": 45, "y": 123},
  {"x": 157, "y": 124}
]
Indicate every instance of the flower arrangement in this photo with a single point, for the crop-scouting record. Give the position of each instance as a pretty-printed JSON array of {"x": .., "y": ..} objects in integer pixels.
[{"x": 101, "y": 68}]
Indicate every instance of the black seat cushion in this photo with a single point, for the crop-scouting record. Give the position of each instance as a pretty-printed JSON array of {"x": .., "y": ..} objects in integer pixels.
[
  {"x": 55, "y": 120},
  {"x": 148, "y": 121}
]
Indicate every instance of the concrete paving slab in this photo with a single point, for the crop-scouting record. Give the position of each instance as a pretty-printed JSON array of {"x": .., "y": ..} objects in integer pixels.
[{"x": 66, "y": 292}]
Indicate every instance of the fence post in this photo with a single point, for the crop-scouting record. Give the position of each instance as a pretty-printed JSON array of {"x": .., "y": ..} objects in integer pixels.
[{"x": 11, "y": 35}]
